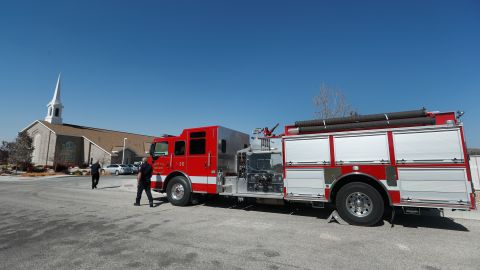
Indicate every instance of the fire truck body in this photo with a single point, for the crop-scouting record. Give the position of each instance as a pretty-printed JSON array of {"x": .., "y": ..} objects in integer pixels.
[
  {"x": 422, "y": 166},
  {"x": 362, "y": 165}
]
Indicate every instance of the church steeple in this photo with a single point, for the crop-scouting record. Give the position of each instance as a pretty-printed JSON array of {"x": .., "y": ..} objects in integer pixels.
[{"x": 55, "y": 107}]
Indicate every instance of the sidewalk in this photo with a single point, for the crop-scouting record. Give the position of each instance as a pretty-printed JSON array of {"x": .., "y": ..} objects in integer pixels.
[{"x": 26, "y": 178}]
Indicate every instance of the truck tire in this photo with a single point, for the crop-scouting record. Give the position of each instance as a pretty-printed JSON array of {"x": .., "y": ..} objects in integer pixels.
[
  {"x": 360, "y": 204},
  {"x": 178, "y": 191}
]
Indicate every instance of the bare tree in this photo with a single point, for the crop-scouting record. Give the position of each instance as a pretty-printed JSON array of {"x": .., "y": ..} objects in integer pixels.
[{"x": 331, "y": 102}]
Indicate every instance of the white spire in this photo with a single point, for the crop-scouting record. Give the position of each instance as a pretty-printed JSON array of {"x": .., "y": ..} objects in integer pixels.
[
  {"x": 55, "y": 107},
  {"x": 56, "y": 95}
]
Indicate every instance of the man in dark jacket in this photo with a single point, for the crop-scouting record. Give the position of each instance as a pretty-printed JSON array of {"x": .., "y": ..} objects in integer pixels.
[
  {"x": 95, "y": 172},
  {"x": 143, "y": 182}
]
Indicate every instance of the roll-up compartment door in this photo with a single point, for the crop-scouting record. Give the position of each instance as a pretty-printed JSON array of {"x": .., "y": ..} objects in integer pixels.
[
  {"x": 361, "y": 148},
  {"x": 434, "y": 185},
  {"x": 305, "y": 182},
  {"x": 307, "y": 151},
  {"x": 433, "y": 146}
]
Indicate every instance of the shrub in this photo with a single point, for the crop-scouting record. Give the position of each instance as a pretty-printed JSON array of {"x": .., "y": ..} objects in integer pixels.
[
  {"x": 39, "y": 168},
  {"x": 61, "y": 168},
  {"x": 83, "y": 165}
]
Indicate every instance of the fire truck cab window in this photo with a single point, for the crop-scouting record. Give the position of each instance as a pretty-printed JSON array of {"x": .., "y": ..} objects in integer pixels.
[
  {"x": 199, "y": 134},
  {"x": 179, "y": 148},
  {"x": 161, "y": 149},
  {"x": 197, "y": 146}
]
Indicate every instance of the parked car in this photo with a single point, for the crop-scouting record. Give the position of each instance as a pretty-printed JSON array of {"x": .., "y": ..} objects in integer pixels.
[
  {"x": 134, "y": 168},
  {"x": 117, "y": 169}
]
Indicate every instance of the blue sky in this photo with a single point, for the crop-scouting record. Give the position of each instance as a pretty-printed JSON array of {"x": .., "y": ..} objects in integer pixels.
[{"x": 156, "y": 67}]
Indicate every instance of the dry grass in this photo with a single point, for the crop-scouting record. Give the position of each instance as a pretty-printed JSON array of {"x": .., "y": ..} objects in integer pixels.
[{"x": 39, "y": 174}]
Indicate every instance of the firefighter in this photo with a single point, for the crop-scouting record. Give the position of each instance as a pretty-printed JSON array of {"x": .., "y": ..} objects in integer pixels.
[
  {"x": 143, "y": 182},
  {"x": 95, "y": 172}
]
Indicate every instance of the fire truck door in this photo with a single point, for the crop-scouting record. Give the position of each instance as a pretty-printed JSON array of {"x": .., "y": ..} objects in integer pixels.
[
  {"x": 161, "y": 160},
  {"x": 178, "y": 159},
  {"x": 198, "y": 164}
]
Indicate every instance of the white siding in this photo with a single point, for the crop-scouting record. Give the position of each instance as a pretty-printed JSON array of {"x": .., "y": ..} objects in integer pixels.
[
  {"x": 43, "y": 153},
  {"x": 37, "y": 144}
]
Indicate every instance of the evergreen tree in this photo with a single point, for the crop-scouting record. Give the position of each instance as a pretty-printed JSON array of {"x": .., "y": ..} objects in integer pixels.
[
  {"x": 4, "y": 153},
  {"x": 20, "y": 151}
]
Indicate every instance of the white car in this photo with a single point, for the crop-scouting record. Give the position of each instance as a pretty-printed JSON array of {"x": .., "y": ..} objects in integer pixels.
[{"x": 117, "y": 169}]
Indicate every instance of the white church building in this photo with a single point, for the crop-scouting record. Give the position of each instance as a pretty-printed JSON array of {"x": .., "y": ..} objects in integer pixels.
[{"x": 59, "y": 143}]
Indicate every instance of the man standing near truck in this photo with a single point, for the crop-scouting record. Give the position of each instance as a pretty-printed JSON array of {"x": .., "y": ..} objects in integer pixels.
[
  {"x": 143, "y": 182},
  {"x": 95, "y": 172}
]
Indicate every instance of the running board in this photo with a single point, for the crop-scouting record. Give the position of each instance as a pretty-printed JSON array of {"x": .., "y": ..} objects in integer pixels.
[
  {"x": 254, "y": 195},
  {"x": 305, "y": 199}
]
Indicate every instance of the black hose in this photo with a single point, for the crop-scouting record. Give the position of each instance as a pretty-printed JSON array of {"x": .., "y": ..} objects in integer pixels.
[
  {"x": 362, "y": 118},
  {"x": 372, "y": 124}
]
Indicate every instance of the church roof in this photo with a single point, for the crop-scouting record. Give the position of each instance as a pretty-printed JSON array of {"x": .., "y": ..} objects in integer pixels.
[{"x": 109, "y": 140}]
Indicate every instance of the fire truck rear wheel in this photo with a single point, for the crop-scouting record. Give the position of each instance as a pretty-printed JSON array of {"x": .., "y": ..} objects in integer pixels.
[
  {"x": 178, "y": 191},
  {"x": 360, "y": 204}
]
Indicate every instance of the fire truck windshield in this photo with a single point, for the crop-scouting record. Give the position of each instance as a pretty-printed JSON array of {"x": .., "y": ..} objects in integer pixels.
[{"x": 161, "y": 149}]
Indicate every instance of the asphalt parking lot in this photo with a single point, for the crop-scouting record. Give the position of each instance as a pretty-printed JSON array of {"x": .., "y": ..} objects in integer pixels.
[{"x": 61, "y": 223}]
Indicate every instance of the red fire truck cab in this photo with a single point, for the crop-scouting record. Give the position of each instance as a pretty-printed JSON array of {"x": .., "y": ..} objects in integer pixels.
[
  {"x": 195, "y": 161},
  {"x": 362, "y": 164}
]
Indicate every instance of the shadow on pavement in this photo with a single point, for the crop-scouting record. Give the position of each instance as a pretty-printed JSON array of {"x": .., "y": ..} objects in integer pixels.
[
  {"x": 157, "y": 201},
  {"x": 432, "y": 219},
  {"x": 109, "y": 187},
  {"x": 250, "y": 205}
]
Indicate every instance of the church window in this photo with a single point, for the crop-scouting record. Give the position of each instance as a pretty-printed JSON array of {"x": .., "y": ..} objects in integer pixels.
[
  {"x": 50, "y": 111},
  {"x": 57, "y": 112}
]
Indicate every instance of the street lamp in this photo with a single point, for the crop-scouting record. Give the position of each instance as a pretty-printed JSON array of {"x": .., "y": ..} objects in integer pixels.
[{"x": 123, "y": 153}]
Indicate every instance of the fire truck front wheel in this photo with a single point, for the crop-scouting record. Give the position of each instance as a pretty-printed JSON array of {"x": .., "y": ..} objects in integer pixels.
[
  {"x": 360, "y": 204},
  {"x": 178, "y": 191}
]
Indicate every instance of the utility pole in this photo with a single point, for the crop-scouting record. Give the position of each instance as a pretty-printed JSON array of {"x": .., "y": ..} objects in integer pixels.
[{"x": 123, "y": 154}]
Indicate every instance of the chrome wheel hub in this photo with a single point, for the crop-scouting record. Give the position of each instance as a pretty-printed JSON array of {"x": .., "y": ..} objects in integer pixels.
[
  {"x": 359, "y": 204},
  {"x": 177, "y": 191}
]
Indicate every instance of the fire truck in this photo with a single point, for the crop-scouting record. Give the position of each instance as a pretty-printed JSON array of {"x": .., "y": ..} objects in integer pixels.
[{"x": 363, "y": 165}]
